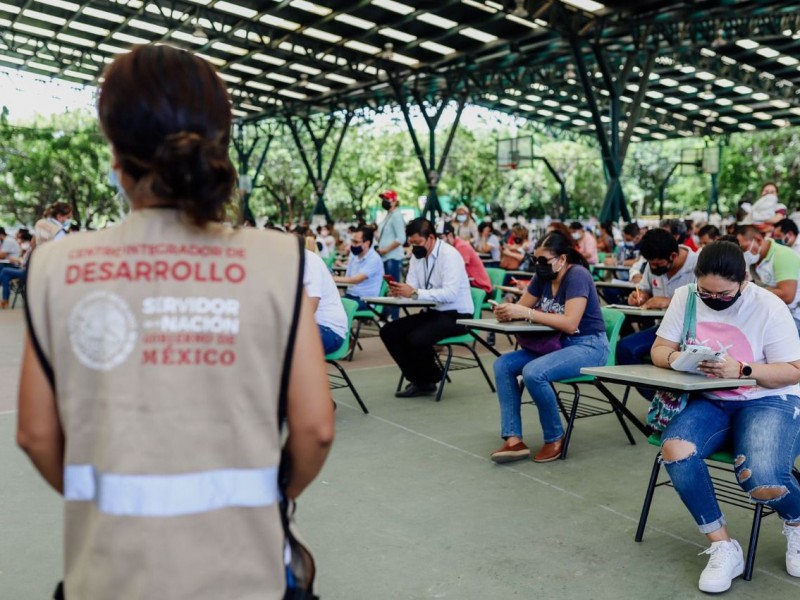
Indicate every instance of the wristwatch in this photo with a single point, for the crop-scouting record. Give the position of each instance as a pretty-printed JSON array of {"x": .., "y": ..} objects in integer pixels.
[
  {"x": 745, "y": 370},
  {"x": 415, "y": 295}
]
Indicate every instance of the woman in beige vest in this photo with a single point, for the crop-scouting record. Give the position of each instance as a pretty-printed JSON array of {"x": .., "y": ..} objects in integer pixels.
[{"x": 158, "y": 354}]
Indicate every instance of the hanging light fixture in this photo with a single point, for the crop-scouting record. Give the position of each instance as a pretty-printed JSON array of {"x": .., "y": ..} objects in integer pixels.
[{"x": 520, "y": 11}]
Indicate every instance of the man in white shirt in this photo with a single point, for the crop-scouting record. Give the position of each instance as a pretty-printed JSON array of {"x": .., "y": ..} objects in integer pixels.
[
  {"x": 436, "y": 273},
  {"x": 9, "y": 248},
  {"x": 328, "y": 310}
]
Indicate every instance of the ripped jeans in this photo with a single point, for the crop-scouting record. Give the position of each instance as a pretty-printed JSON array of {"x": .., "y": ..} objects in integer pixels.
[{"x": 764, "y": 435}]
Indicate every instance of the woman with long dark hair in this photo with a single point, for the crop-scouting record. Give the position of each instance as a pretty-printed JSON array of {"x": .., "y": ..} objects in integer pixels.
[
  {"x": 159, "y": 361},
  {"x": 561, "y": 295},
  {"x": 760, "y": 423}
]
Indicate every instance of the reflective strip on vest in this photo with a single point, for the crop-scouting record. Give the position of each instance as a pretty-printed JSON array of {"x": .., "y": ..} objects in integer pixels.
[{"x": 171, "y": 495}]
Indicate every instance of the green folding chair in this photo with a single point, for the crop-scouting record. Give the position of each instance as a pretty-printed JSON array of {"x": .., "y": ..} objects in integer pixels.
[
  {"x": 497, "y": 276},
  {"x": 466, "y": 341},
  {"x": 365, "y": 316},
  {"x": 727, "y": 491},
  {"x": 342, "y": 380},
  {"x": 613, "y": 320}
]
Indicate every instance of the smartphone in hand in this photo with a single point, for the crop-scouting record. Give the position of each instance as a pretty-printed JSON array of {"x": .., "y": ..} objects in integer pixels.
[
  {"x": 389, "y": 279},
  {"x": 493, "y": 304}
]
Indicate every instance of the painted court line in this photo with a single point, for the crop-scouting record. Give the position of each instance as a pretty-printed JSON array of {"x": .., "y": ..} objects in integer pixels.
[
  {"x": 7, "y": 412},
  {"x": 778, "y": 576}
]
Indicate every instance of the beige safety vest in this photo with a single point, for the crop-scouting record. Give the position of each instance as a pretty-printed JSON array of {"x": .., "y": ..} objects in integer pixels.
[{"x": 168, "y": 349}]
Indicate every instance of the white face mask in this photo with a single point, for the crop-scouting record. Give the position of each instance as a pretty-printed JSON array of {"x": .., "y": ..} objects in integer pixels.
[
  {"x": 25, "y": 245},
  {"x": 750, "y": 258},
  {"x": 461, "y": 218},
  {"x": 576, "y": 235}
]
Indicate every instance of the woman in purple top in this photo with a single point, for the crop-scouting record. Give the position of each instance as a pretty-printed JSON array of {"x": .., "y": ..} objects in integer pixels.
[{"x": 561, "y": 295}]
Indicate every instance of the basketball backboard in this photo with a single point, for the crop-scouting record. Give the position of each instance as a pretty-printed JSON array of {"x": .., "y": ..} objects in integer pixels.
[{"x": 514, "y": 153}]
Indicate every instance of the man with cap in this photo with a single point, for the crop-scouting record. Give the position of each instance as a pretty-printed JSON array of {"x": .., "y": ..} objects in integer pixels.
[{"x": 391, "y": 237}]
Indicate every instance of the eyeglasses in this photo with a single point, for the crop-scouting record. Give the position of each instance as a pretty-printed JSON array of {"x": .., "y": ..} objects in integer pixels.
[
  {"x": 543, "y": 260},
  {"x": 724, "y": 296}
]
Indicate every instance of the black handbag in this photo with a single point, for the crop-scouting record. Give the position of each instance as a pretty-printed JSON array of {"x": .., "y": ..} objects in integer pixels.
[{"x": 300, "y": 568}]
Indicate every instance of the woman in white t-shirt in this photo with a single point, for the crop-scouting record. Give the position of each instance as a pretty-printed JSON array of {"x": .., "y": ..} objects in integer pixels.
[{"x": 760, "y": 423}]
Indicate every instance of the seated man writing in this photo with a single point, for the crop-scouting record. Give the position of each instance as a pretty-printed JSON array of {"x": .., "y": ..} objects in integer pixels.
[
  {"x": 669, "y": 267},
  {"x": 364, "y": 269},
  {"x": 436, "y": 273}
]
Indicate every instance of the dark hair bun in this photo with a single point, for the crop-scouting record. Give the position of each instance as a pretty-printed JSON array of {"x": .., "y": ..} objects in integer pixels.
[
  {"x": 194, "y": 172},
  {"x": 168, "y": 116}
]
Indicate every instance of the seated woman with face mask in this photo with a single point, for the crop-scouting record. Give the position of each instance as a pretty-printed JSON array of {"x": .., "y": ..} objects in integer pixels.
[
  {"x": 561, "y": 295},
  {"x": 760, "y": 424}
]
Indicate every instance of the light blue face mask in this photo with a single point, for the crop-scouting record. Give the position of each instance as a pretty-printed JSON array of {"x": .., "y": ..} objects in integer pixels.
[{"x": 114, "y": 182}]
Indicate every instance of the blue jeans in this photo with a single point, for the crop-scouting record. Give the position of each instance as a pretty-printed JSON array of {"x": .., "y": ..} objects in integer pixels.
[
  {"x": 537, "y": 372},
  {"x": 764, "y": 435},
  {"x": 633, "y": 348},
  {"x": 361, "y": 304},
  {"x": 393, "y": 267},
  {"x": 331, "y": 341},
  {"x": 7, "y": 275}
]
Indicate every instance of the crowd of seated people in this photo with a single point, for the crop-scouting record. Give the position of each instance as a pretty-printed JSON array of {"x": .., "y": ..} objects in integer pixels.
[{"x": 746, "y": 284}]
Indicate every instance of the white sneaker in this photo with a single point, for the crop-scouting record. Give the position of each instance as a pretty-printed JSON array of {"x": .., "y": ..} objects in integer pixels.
[
  {"x": 793, "y": 550},
  {"x": 725, "y": 564}
]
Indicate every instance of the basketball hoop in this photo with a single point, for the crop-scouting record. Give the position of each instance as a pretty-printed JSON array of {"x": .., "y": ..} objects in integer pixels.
[{"x": 514, "y": 153}]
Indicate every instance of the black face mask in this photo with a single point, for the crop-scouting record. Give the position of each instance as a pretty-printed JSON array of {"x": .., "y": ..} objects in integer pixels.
[
  {"x": 386, "y": 204},
  {"x": 419, "y": 251},
  {"x": 658, "y": 271},
  {"x": 718, "y": 304},
  {"x": 545, "y": 272},
  {"x": 356, "y": 250}
]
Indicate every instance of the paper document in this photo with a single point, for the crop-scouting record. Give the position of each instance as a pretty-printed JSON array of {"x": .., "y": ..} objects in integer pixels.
[{"x": 692, "y": 355}]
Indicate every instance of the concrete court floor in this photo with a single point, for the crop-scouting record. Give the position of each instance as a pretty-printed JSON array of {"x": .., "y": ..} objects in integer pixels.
[{"x": 409, "y": 506}]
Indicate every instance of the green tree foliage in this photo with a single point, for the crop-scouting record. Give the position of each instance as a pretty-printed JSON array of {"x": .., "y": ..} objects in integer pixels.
[
  {"x": 63, "y": 159},
  {"x": 368, "y": 163},
  {"x": 752, "y": 159},
  {"x": 470, "y": 175},
  {"x": 282, "y": 190}
]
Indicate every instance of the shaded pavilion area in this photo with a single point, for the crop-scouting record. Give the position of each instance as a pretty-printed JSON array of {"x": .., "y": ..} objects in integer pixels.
[
  {"x": 615, "y": 72},
  {"x": 409, "y": 505}
]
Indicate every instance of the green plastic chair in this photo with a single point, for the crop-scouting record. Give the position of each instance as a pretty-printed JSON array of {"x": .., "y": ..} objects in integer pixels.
[
  {"x": 350, "y": 307},
  {"x": 727, "y": 492},
  {"x": 467, "y": 341},
  {"x": 497, "y": 276},
  {"x": 613, "y": 320},
  {"x": 364, "y": 316}
]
